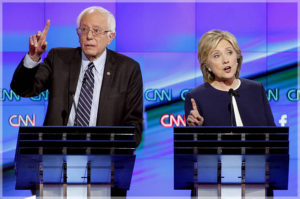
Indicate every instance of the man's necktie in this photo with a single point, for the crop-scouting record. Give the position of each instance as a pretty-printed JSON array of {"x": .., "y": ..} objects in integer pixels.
[{"x": 85, "y": 98}]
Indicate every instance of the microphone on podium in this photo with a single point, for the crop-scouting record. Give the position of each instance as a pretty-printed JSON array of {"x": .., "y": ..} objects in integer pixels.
[{"x": 232, "y": 93}]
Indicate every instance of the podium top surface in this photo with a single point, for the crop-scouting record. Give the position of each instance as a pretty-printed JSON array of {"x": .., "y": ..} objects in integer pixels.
[
  {"x": 233, "y": 129},
  {"x": 78, "y": 129},
  {"x": 231, "y": 140},
  {"x": 65, "y": 140}
]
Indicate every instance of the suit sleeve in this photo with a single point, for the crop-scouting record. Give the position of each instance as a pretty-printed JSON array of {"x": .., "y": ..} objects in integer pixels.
[
  {"x": 267, "y": 108},
  {"x": 134, "y": 102},
  {"x": 28, "y": 82}
]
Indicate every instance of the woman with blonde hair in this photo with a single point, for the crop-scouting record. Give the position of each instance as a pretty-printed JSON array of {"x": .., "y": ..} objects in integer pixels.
[{"x": 224, "y": 99}]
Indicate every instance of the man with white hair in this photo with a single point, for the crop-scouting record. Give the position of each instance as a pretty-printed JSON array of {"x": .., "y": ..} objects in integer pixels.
[{"x": 89, "y": 85}]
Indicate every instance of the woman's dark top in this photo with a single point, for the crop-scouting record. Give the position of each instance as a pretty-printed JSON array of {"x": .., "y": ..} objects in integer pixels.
[{"x": 215, "y": 105}]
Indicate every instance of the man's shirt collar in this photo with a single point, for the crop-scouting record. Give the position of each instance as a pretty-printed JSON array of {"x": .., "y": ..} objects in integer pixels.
[{"x": 99, "y": 62}]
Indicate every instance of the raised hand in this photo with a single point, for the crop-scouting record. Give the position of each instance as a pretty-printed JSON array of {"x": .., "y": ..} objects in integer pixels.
[
  {"x": 38, "y": 43},
  {"x": 194, "y": 118}
]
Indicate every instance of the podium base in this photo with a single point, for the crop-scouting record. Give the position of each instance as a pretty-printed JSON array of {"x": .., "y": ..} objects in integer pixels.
[
  {"x": 71, "y": 191},
  {"x": 232, "y": 191}
]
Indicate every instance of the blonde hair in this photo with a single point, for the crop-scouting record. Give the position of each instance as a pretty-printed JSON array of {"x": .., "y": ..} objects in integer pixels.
[{"x": 207, "y": 43}]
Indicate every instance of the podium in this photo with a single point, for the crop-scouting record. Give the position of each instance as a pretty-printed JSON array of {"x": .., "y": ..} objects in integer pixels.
[
  {"x": 74, "y": 162},
  {"x": 231, "y": 162}
]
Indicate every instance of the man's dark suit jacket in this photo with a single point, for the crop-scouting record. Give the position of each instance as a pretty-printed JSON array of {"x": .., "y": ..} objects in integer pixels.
[{"x": 121, "y": 97}]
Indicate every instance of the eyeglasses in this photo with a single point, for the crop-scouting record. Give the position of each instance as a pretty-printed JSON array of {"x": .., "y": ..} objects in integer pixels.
[{"x": 95, "y": 31}]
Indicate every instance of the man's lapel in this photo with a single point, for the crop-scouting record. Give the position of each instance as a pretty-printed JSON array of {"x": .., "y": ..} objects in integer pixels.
[
  {"x": 108, "y": 76},
  {"x": 74, "y": 70}
]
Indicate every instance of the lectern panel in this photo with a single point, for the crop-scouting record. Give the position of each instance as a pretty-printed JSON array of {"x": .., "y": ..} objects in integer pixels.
[
  {"x": 231, "y": 155},
  {"x": 80, "y": 156}
]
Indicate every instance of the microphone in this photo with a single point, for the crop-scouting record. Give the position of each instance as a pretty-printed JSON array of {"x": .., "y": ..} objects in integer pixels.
[
  {"x": 232, "y": 93},
  {"x": 64, "y": 116},
  {"x": 75, "y": 109}
]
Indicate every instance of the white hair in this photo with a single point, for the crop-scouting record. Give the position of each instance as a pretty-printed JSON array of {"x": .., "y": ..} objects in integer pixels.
[{"x": 110, "y": 17}]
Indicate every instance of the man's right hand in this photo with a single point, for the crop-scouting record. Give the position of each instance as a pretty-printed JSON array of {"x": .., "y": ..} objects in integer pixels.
[
  {"x": 194, "y": 118},
  {"x": 38, "y": 43}
]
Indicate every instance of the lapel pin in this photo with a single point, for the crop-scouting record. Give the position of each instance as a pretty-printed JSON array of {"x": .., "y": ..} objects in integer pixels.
[{"x": 108, "y": 73}]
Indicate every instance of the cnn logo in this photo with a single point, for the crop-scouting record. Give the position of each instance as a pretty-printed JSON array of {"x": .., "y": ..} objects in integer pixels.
[
  {"x": 169, "y": 120},
  {"x": 18, "y": 120}
]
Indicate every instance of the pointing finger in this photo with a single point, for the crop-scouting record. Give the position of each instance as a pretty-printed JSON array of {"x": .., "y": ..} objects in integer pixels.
[
  {"x": 194, "y": 104},
  {"x": 45, "y": 31}
]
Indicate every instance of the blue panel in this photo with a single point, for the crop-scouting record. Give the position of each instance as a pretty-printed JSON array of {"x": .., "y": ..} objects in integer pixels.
[
  {"x": 16, "y": 29},
  {"x": 169, "y": 71},
  {"x": 282, "y": 27},
  {"x": 247, "y": 21},
  {"x": 53, "y": 169},
  {"x": 231, "y": 169},
  {"x": 207, "y": 168},
  {"x": 155, "y": 27},
  {"x": 255, "y": 166},
  {"x": 291, "y": 121},
  {"x": 32, "y": 19},
  {"x": 281, "y": 60},
  {"x": 10, "y": 62},
  {"x": 283, "y": 85},
  {"x": 77, "y": 168}
]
